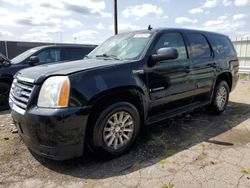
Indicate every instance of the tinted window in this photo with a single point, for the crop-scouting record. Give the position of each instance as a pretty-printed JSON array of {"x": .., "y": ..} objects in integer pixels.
[
  {"x": 199, "y": 45},
  {"x": 129, "y": 46},
  {"x": 73, "y": 54},
  {"x": 222, "y": 45},
  {"x": 172, "y": 40},
  {"x": 49, "y": 55}
]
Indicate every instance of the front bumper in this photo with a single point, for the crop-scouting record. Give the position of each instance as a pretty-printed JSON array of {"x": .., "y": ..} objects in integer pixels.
[{"x": 57, "y": 134}]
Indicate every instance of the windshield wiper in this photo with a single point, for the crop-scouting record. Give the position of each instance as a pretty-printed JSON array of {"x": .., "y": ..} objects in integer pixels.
[{"x": 108, "y": 56}]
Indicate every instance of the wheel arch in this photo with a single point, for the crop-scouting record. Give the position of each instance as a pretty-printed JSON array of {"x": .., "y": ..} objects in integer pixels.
[
  {"x": 131, "y": 94},
  {"x": 6, "y": 79},
  {"x": 227, "y": 77}
]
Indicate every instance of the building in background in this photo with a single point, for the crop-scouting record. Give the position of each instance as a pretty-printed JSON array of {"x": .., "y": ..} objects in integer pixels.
[{"x": 13, "y": 48}]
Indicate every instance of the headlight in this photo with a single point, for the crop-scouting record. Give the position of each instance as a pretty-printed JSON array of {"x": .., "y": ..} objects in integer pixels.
[{"x": 54, "y": 92}]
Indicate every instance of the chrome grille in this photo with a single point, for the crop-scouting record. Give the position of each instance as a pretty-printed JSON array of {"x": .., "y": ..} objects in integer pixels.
[{"x": 20, "y": 93}]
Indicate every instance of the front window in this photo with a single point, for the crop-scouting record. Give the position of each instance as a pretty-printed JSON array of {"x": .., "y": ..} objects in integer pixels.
[
  {"x": 23, "y": 56},
  {"x": 128, "y": 46},
  {"x": 172, "y": 40},
  {"x": 49, "y": 55}
]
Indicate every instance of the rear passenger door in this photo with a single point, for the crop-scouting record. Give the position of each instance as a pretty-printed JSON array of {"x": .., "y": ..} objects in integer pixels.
[{"x": 203, "y": 66}]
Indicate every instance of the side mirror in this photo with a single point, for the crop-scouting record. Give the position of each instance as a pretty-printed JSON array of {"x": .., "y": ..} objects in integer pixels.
[
  {"x": 164, "y": 54},
  {"x": 33, "y": 60},
  {"x": 1, "y": 59}
]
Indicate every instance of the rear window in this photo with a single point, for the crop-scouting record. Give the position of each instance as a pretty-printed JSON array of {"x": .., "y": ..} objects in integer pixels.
[
  {"x": 222, "y": 45},
  {"x": 199, "y": 45}
]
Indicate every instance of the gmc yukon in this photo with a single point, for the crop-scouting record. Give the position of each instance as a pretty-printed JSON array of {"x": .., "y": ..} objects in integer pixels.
[{"x": 130, "y": 81}]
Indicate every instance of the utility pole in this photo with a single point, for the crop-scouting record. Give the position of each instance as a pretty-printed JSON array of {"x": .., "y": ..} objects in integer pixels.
[{"x": 115, "y": 18}]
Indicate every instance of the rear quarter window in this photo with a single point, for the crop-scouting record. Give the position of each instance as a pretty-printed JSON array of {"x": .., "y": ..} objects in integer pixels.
[
  {"x": 222, "y": 45},
  {"x": 199, "y": 45}
]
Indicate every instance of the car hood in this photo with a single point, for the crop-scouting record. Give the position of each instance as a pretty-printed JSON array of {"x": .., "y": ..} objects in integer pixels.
[{"x": 38, "y": 73}]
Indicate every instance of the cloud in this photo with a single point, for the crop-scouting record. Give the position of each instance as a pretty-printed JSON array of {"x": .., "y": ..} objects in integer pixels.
[
  {"x": 216, "y": 22},
  {"x": 18, "y": 2},
  {"x": 184, "y": 20},
  {"x": 210, "y": 4},
  {"x": 4, "y": 11},
  {"x": 86, "y": 7},
  {"x": 100, "y": 26},
  {"x": 37, "y": 21},
  {"x": 126, "y": 27},
  {"x": 238, "y": 16},
  {"x": 225, "y": 25},
  {"x": 241, "y": 2},
  {"x": 90, "y": 6},
  {"x": 37, "y": 18},
  {"x": 85, "y": 34},
  {"x": 47, "y": 30},
  {"x": 6, "y": 33},
  {"x": 227, "y": 2},
  {"x": 140, "y": 11},
  {"x": 37, "y": 36},
  {"x": 88, "y": 36},
  {"x": 196, "y": 11},
  {"x": 43, "y": 34},
  {"x": 71, "y": 23}
]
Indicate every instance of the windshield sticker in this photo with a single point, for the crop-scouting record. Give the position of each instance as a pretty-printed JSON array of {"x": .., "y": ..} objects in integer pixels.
[{"x": 142, "y": 35}]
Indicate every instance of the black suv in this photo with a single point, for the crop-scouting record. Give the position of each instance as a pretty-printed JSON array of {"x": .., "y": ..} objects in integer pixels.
[
  {"x": 130, "y": 81},
  {"x": 36, "y": 56}
]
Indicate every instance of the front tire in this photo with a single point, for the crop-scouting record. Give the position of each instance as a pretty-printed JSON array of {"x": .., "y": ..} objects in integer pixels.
[
  {"x": 4, "y": 96},
  {"x": 116, "y": 129},
  {"x": 220, "y": 98}
]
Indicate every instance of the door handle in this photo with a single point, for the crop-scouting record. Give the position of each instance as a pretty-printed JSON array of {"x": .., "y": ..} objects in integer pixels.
[
  {"x": 214, "y": 65},
  {"x": 187, "y": 69}
]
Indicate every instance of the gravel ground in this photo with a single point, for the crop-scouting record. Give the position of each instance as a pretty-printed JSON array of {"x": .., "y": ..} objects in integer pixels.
[{"x": 196, "y": 150}]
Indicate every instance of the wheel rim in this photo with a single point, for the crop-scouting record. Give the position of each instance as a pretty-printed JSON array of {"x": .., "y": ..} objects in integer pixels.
[
  {"x": 118, "y": 130},
  {"x": 4, "y": 95},
  {"x": 221, "y": 98}
]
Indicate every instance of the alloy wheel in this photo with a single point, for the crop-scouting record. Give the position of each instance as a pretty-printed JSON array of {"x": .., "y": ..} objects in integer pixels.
[
  {"x": 118, "y": 130},
  {"x": 221, "y": 98}
]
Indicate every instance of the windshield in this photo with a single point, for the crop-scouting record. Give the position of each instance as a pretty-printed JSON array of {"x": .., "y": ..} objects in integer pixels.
[
  {"x": 123, "y": 47},
  {"x": 23, "y": 56}
]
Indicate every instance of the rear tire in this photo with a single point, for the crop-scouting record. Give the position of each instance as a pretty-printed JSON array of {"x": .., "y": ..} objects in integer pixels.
[
  {"x": 220, "y": 98},
  {"x": 4, "y": 96},
  {"x": 115, "y": 129}
]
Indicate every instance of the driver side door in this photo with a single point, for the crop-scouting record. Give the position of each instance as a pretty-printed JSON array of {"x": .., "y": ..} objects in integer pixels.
[{"x": 170, "y": 81}]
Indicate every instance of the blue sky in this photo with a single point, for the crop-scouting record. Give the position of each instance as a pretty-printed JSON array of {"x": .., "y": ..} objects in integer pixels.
[{"x": 91, "y": 21}]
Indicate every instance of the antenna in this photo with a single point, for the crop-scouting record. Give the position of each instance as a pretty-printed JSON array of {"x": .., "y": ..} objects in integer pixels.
[{"x": 149, "y": 27}]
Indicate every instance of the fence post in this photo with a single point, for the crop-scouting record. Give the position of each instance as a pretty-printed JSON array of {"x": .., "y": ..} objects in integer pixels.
[
  {"x": 246, "y": 55},
  {"x": 6, "y": 49}
]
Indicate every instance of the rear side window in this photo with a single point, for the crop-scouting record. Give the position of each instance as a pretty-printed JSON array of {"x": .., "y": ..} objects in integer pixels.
[
  {"x": 172, "y": 40},
  {"x": 72, "y": 54},
  {"x": 199, "y": 45},
  {"x": 222, "y": 45}
]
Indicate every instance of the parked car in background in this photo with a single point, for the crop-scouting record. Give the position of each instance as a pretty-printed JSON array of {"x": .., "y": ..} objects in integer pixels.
[
  {"x": 37, "y": 56},
  {"x": 130, "y": 81},
  {"x": 4, "y": 61}
]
